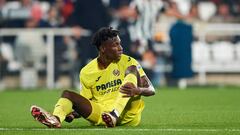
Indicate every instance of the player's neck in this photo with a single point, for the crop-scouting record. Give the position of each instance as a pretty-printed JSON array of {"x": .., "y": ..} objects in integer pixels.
[{"x": 103, "y": 62}]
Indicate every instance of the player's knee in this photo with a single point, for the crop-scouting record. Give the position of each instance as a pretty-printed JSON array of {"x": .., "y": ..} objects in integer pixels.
[
  {"x": 133, "y": 69},
  {"x": 67, "y": 94}
]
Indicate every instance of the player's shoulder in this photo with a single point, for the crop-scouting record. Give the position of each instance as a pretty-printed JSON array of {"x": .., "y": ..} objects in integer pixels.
[
  {"x": 128, "y": 61},
  {"x": 90, "y": 67},
  {"x": 126, "y": 58}
]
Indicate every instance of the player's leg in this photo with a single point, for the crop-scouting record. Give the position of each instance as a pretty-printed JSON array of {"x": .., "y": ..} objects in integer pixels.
[
  {"x": 131, "y": 115},
  {"x": 44, "y": 117},
  {"x": 87, "y": 109},
  {"x": 68, "y": 102},
  {"x": 71, "y": 116},
  {"x": 131, "y": 76},
  {"x": 110, "y": 118}
]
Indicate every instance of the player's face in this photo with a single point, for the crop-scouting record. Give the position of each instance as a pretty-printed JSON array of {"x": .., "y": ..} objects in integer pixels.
[{"x": 113, "y": 49}]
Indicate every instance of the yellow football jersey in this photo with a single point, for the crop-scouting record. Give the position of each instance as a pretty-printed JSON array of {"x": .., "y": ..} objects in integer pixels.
[{"x": 102, "y": 86}]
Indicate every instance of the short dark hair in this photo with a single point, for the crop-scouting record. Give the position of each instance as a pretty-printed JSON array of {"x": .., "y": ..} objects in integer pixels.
[{"x": 103, "y": 34}]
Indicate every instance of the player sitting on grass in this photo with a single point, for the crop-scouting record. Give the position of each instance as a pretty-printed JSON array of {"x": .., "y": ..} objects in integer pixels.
[{"x": 111, "y": 88}]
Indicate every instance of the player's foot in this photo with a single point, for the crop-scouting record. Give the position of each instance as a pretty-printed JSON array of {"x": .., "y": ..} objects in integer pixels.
[
  {"x": 45, "y": 117},
  {"x": 71, "y": 116},
  {"x": 109, "y": 119}
]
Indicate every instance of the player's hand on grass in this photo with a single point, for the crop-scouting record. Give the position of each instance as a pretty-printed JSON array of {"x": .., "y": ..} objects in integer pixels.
[
  {"x": 130, "y": 90},
  {"x": 71, "y": 116}
]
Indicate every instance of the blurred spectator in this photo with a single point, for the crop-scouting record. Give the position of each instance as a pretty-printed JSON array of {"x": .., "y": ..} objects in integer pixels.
[
  {"x": 124, "y": 16},
  {"x": 15, "y": 12},
  {"x": 236, "y": 11},
  {"x": 3, "y": 68},
  {"x": 7, "y": 53},
  {"x": 223, "y": 14},
  {"x": 2, "y": 5},
  {"x": 149, "y": 62},
  {"x": 29, "y": 8},
  {"x": 193, "y": 15},
  {"x": 167, "y": 16},
  {"x": 135, "y": 19},
  {"x": 54, "y": 18},
  {"x": 36, "y": 11},
  {"x": 30, "y": 51},
  {"x": 145, "y": 24},
  {"x": 181, "y": 52},
  {"x": 88, "y": 16},
  {"x": 34, "y": 49},
  {"x": 65, "y": 8},
  {"x": 140, "y": 21}
]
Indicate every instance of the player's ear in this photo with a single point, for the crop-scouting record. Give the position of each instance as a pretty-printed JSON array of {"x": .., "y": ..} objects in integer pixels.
[{"x": 102, "y": 48}]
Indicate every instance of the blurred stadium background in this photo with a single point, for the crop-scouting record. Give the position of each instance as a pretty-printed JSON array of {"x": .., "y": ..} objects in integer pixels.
[
  {"x": 184, "y": 44},
  {"x": 45, "y": 43}
]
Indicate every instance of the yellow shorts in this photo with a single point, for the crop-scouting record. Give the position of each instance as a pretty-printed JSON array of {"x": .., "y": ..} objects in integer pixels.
[{"x": 131, "y": 115}]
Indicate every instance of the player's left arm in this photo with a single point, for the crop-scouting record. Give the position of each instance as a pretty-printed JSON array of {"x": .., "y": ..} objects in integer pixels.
[{"x": 144, "y": 86}]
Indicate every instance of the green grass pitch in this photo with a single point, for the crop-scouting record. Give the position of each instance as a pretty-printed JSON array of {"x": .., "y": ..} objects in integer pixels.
[{"x": 194, "y": 111}]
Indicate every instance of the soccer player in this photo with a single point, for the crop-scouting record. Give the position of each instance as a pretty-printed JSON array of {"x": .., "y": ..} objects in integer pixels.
[{"x": 111, "y": 88}]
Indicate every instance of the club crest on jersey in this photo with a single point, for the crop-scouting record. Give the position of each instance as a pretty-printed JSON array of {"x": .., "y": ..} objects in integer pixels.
[
  {"x": 139, "y": 67},
  {"x": 116, "y": 72}
]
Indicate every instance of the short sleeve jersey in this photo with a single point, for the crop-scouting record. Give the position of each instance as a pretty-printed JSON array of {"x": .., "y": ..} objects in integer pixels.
[{"x": 102, "y": 86}]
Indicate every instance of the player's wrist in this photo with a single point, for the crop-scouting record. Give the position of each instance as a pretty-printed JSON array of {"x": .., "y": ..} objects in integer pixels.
[{"x": 139, "y": 91}]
